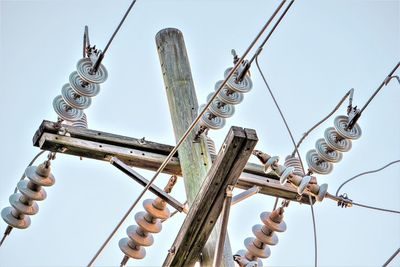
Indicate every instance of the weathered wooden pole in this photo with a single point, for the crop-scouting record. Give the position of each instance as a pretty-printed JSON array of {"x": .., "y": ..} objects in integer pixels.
[{"x": 194, "y": 158}]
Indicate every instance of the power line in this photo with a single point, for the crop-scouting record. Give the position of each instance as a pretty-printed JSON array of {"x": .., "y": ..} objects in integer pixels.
[
  {"x": 364, "y": 173},
  {"x": 358, "y": 113},
  {"x": 391, "y": 257},
  {"x": 349, "y": 93},
  {"x": 119, "y": 26},
  {"x": 298, "y": 154},
  {"x": 186, "y": 134},
  {"x": 375, "y": 208}
]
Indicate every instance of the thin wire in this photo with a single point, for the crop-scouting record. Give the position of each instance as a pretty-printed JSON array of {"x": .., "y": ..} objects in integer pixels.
[
  {"x": 185, "y": 135},
  {"x": 321, "y": 121},
  {"x": 119, "y": 26},
  {"x": 298, "y": 154},
  {"x": 379, "y": 88},
  {"x": 364, "y": 173},
  {"x": 270, "y": 33},
  {"x": 30, "y": 164},
  {"x": 375, "y": 208},
  {"x": 280, "y": 111},
  {"x": 391, "y": 257}
]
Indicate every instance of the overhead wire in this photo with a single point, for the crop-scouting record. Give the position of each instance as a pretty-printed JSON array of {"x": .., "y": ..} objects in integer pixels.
[
  {"x": 186, "y": 134},
  {"x": 364, "y": 173},
  {"x": 298, "y": 154},
  {"x": 391, "y": 257},
  {"x": 349, "y": 93}
]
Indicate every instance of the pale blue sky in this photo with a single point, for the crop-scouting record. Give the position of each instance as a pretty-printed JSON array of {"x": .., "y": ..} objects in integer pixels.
[{"x": 320, "y": 51}]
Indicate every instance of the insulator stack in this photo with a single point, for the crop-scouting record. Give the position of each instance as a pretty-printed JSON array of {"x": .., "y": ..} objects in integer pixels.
[
  {"x": 222, "y": 106},
  {"x": 81, "y": 123},
  {"x": 328, "y": 150},
  {"x": 295, "y": 163},
  {"x": 293, "y": 173},
  {"x": 211, "y": 146},
  {"x": 265, "y": 236},
  {"x": 77, "y": 94},
  {"x": 148, "y": 223},
  {"x": 23, "y": 203}
]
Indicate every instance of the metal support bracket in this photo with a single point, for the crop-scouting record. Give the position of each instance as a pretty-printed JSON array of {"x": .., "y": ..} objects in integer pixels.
[{"x": 144, "y": 182}]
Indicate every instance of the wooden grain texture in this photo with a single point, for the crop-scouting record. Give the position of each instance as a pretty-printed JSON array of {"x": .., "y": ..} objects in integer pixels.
[
  {"x": 149, "y": 155},
  {"x": 208, "y": 204},
  {"x": 195, "y": 158}
]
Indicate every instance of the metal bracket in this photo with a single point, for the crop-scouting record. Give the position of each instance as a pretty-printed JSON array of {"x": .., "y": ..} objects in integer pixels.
[
  {"x": 144, "y": 182},
  {"x": 95, "y": 55},
  {"x": 245, "y": 194}
]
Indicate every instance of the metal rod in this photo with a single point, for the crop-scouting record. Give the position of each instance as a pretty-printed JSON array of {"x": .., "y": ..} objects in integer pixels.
[
  {"x": 245, "y": 194},
  {"x": 219, "y": 250},
  {"x": 270, "y": 33},
  {"x": 143, "y": 181},
  {"x": 6, "y": 233},
  {"x": 391, "y": 257},
  {"x": 119, "y": 26},
  {"x": 185, "y": 135},
  {"x": 355, "y": 119}
]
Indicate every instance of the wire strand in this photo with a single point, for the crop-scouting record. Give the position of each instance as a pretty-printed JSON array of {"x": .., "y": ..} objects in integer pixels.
[
  {"x": 186, "y": 134},
  {"x": 364, "y": 173},
  {"x": 323, "y": 120},
  {"x": 119, "y": 26},
  {"x": 375, "y": 208},
  {"x": 298, "y": 154},
  {"x": 391, "y": 257}
]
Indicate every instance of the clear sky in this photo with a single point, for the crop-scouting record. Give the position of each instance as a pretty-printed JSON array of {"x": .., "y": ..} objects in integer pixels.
[{"x": 320, "y": 51}]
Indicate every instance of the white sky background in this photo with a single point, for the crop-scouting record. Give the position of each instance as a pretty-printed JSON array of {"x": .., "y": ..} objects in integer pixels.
[{"x": 320, "y": 51}]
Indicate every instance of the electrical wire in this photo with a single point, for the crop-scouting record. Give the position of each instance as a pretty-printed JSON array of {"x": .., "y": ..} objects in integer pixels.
[
  {"x": 391, "y": 257},
  {"x": 298, "y": 154},
  {"x": 364, "y": 173},
  {"x": 375, "y": 208},
  {"x": 119, "y": 26},
  {"x": 186, "y": 134},
  {"x": 379, "y": 88},
  {"x": 350, "y": 92}
]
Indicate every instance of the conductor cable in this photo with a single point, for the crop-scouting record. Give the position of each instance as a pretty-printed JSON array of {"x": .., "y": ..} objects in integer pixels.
[{"x": 185, "y": 135}]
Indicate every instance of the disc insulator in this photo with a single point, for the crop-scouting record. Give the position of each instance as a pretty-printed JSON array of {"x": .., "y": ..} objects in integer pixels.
[
  {"x": 326, "y": 153},
  {"x": 84, "y": 69},
  {"x": 271, "y": 239},
  {"x": 148, "y": 226},
  {"x": 316, "y": 164},
  {"x": 73, "y": 99},
  {"x": 242, "y": 87},
  {"x": 81, "y": 87},
  {"x": 37, "y": 194},
  {"x": 64, "y": 111},
  {"x": 335, "y": 142},
  {"x": 135, "y": 252},
  {"x": 260, "y": 252},
  {"x": 24, "y": 208},
  {"x": 145, "y": 239},
  {"x": 22, "y": 222},
  {"x": 341, "y": 123},
  {"x": 37, "y": 175},
  {"x": 227, "y": 96}
]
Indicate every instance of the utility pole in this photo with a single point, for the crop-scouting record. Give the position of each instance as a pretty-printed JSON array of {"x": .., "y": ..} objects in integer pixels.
[{"x": 195, "y": 160}]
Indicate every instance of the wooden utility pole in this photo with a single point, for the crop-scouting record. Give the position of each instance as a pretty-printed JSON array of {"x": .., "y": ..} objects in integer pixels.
[
  {"x": 206, "y": 208},
  {"x": 194, "y": 158}
]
